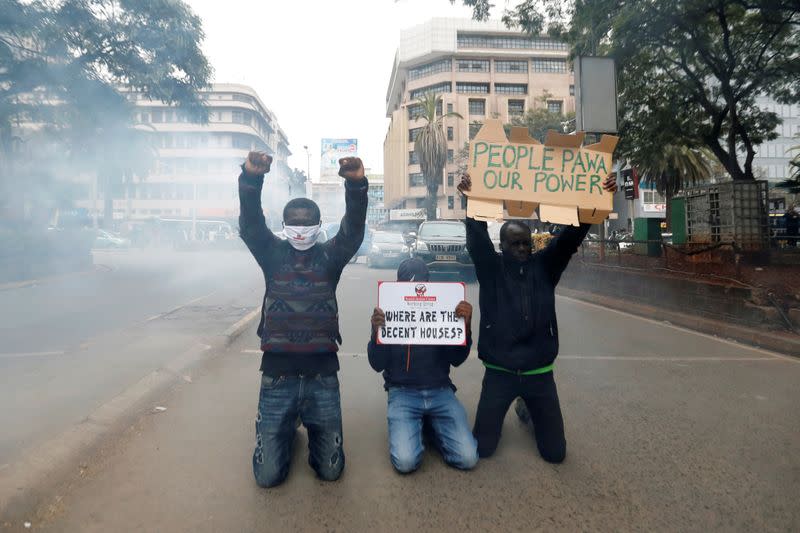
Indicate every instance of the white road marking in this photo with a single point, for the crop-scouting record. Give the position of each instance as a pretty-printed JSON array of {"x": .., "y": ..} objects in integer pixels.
[
  {"x": 32, "y": 354},
  {"x": 685, "y": 330},
  {"x": 657, "y": 358}
]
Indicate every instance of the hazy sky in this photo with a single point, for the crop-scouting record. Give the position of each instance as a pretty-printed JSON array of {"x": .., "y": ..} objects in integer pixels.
[{"x": 322, "y": 66}]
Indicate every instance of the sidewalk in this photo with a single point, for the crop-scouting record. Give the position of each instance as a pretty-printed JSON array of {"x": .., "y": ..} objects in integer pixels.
[{"x": 647, "y": 451}]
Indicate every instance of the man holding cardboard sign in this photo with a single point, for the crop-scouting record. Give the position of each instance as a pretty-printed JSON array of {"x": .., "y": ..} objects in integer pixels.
[
  {"x": 299, "y": 327},
  {"x": 518, "y": 340},
  {"x": 432, "y": 334}
]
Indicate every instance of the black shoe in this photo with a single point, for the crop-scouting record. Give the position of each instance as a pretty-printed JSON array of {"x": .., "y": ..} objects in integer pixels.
[{"x": 522, "y": 412}]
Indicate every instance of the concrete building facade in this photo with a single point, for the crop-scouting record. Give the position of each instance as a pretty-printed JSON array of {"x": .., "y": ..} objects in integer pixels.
[
  {"x": 195, "y": 166},
  {"x": 482, "y": 70}
]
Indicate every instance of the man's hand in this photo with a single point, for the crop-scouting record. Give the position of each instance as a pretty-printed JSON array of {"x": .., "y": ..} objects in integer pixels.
[
  {"x": 466, "y": 183},
  {"x": 378, "y": 320},
  {"x": 351, "y": 168},
  {"x": 610, "y": 185},
  {"x": 257, "y": 163},
  {"x": 464, "y": 310}
]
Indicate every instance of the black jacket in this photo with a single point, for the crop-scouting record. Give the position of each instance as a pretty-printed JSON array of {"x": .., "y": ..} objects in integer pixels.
[
  {"x": 417, "y": 366},
  {"x": 518, "y": 329}
]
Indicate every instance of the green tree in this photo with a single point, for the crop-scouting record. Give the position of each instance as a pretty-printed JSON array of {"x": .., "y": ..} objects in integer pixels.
[
  {"x": 431, "y": 148},
  {"x": 540, "y": 119},
  {"x": 689, "y": 71},
  {"x": 792, "y": 184},
  {"x": 63, "y": 63},
  {"x": 673, "y": 168}
]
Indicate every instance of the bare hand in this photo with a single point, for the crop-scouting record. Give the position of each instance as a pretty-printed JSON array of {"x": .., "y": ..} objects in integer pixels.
[
  {"x": 466, "y": 183},
  {"x": 610, "y": 185},
  {"x": 464, "y": 310},
  {"x": 351, "y": 168},
  {"x": 257, "y": 163},
  {"x": 378, "y": 320}
]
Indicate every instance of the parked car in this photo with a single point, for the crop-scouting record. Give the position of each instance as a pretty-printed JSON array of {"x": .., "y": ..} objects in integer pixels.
[
  {"x": 387, "y": 250},
  {"x": 442, "y": 244},
  {"x": 106, "y": 239}
]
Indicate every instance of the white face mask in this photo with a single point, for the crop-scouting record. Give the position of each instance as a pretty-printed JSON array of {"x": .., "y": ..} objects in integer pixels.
[{"x": 301, "y": 237}]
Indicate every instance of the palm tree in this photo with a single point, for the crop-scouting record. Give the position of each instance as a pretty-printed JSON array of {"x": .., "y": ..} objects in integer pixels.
[
  {"x": 431, "y": 147},
  {"x": 675, "y": 167}
]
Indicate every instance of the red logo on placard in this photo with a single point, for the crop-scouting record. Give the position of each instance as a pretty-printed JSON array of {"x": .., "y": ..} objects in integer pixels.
[{"x": 420, "y": 290}]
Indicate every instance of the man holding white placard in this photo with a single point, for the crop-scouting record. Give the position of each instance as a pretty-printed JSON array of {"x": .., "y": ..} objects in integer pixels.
[{"x": 424, "y": 330}]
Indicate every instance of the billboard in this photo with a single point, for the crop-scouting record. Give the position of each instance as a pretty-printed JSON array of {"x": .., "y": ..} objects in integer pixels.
[{"x": 333, "y": 150}]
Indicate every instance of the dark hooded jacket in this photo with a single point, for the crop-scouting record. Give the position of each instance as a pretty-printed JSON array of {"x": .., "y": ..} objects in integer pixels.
[{"x": 518, "y": 328}]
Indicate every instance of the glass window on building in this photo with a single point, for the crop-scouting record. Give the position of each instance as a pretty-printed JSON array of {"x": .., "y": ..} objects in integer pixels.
[
  {"x": 463, "y": 202},
  {"x": 474, "y": 128},
  {"x": 477, "y": 40},
  {"x": 444, "y": 87},
  {"x": 449, "y": 108},
  {"x": 477, "y": 106},
  {"x": 450, "y": 202},
  {"x": 449, "y": 133},
  {"x": 511, "y": 88},
  {"x": 555, "y": 106},
  {"x": 414, "y": 111},
  {"x": 157, "y": 116},
  {"x": 451, "y": 177},
  {"x": 416, "y": 179},
  {"x": 472, "y": 88},
  {"x": 450, "y": 156},
  {"x": 516, "y": 107},
  {"x": 412, "y": 158},
  {"x": 473, "y": 65},
  {"x": 413, "y": 133},
  {"x": 443, "y": 65},
  {"x": 547, "y": 64},
  {"x": 510, "y": 66},
  {"x": 439, "y": 108}
]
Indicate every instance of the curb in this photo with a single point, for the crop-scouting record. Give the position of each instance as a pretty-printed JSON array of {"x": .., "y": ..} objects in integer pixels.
[
  {"x": 31, "y": 478},
  {"x": 770, "y": 340}
]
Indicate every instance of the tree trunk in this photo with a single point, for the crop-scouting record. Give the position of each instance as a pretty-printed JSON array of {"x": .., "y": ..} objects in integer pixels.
[{"x": 430, "y": 201}]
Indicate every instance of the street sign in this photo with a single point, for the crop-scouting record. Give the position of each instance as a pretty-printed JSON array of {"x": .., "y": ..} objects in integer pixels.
[
  {"x": 628, "y": 184},
  {"x": 408, "y": 214}
]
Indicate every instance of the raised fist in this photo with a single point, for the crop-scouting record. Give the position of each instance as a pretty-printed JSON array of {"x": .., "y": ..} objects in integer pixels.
[
  {"x": 378, "y": 319},
  {"x": 466, "y": 184},
  {"x": 351, "y": 168},
  {"x": 257, "y": 163}
]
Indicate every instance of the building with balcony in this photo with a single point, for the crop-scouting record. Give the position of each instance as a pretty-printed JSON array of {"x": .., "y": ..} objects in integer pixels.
[
  {"x": 195, "y": 166},
  {"x": 482, "y": 70}
]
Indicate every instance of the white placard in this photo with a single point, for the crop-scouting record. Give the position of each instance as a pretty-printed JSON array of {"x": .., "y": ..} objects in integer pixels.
[{"x": 421, "y": 313}]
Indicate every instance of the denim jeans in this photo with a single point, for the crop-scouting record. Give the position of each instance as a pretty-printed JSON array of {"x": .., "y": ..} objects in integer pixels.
[
  {"x": 448, "y": 420},
  {"x": 315, "y": 400}
]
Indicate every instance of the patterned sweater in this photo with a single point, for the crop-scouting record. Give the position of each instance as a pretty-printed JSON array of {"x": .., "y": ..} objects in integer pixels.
[{"x": 299, "y": 315}]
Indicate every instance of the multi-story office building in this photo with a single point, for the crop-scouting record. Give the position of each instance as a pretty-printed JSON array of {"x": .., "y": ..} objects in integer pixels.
[
  {"x": 376, "y": 211},
  {"x": 772, "y": 157},
  {"x": 195, "y": 166},
  {"x": 482, "y": 70}
]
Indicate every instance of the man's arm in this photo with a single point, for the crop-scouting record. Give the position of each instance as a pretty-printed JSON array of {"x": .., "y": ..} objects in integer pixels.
[
  {"x": 561, "y": 249},
  {"x": 252, "y": 224},
  {"x": 481, "y": 248},
  {"x": 378, "y": 354},
  {"x": 351, "y": 230},
  {"x": 458, "y": 354}
]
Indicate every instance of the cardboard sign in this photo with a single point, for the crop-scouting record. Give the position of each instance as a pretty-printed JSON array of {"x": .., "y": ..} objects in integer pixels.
[
  {"x": 561, "y": 177},
  {"x": 421, "y": 313}
]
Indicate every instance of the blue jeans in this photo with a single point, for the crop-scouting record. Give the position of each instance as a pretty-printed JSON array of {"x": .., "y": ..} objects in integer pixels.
[
  {"x": 315, "y": 400},
  {"x": 448, "y": 419}
]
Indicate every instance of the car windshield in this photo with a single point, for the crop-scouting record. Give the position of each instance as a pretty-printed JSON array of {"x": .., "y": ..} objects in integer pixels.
[
  {"x": 394, "y": 238},
  {"x": 442, "y": 230}
]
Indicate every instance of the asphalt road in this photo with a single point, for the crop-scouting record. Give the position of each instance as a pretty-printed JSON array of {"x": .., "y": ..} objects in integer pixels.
[
  {"x": 71, "y": 343},
  {"x": 667, "y": 430}
]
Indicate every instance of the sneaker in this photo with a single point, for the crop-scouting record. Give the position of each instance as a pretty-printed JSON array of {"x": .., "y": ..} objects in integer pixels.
[{"x": 522, "y": 411}]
